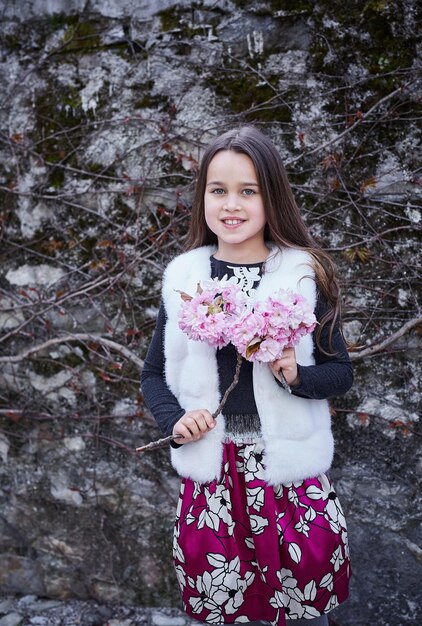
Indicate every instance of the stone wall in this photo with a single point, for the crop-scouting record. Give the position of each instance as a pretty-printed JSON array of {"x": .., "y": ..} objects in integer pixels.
[{"x": 105, "y": 110}]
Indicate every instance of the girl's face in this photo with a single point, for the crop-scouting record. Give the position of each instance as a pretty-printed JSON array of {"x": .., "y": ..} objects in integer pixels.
[{"x": 234, "y": 209}]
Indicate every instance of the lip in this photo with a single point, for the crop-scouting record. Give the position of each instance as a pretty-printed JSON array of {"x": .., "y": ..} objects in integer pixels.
[{"x": 235, "y": 222}]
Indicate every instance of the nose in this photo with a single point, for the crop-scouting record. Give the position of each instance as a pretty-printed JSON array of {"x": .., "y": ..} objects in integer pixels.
[{"x": 231, "y": 204}]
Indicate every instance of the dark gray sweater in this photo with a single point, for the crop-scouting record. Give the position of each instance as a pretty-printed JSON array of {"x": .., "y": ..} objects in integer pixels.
[{"x": 330, "y": 376}]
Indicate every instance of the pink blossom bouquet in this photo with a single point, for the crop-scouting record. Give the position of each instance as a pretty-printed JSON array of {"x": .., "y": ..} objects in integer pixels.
[
  {"x": 209, "y": 314},
  {"x": 262, "y": 333},
  {"x": 220, "y": 313}
]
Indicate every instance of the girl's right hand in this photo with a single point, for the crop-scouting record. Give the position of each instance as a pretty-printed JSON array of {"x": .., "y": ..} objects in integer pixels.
[{"x": 193, "y": 425}]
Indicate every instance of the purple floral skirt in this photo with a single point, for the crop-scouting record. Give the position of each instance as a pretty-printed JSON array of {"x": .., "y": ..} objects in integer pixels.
[{"x": 246, "y": 551}]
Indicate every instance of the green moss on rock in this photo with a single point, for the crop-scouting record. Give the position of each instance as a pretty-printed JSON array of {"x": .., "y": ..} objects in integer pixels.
[
  {"x": 82, "y": 36},
  {"x": 60, "y": 20},
  {"x": 46, "y": 367},
  {"x": 56, "y": 177},
  {"x": 293, "y": 6},
  {"x": 369, "y": 34},
  {"x": 146, "y": 99},
  {"x": 170, "y": 18},
  {"x": 183, "y": 23},
  {"x": 57, "y": 111},
  {"x": 246, "y": 94}
]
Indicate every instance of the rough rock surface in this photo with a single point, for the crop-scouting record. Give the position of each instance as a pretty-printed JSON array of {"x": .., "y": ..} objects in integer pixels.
[
  {"x": 104, "y": 112},
  {"x": 32, "y": 611}
]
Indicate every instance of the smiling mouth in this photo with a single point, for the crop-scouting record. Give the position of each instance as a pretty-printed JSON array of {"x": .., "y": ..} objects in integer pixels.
[{"x": 232, "y": 222}]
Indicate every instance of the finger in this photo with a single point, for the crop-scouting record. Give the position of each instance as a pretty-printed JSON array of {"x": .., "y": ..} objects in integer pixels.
[
  {"x": 201, "y": 424},
  {"x": 208, "y": 419},
  {"x": 287, "y": 362},
  {"x": 190, "y": 421},
  {"x": 275, "y": 366},
  {"x": 277, "y": 363},
  {"x": 193, "y": 425},
  {"x": 288, "y": 352},
  {"x": 180, "y": 429}
]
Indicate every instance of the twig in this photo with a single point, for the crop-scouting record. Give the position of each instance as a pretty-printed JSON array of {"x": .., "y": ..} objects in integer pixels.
[
  {"x": 232, "y": 386},
  {"x": 350, "y": 128},
  {"x": 378, "y": 236},
  {"x": 56, "y": 304},
  {"x": 283, "y": 381},
  {"x": 390, "y": 423},
  {"x": 162, "y": 443},
  {"x": 39, "y": 416},
  {"x": 113, "y": 345},
  {"x": 379, "y": 347}
]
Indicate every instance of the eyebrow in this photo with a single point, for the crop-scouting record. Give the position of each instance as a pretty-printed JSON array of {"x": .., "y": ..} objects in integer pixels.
[{"x": 246, "y": 184}]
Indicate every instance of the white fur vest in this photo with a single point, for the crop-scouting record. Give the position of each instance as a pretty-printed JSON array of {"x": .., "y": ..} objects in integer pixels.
[{"x": 296, "y": 431}]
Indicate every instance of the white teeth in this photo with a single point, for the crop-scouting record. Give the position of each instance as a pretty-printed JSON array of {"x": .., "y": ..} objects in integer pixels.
[{"x": 232, "y": 222}]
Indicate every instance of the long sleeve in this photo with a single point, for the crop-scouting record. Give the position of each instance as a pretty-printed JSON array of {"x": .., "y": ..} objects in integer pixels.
[
  {"x": 158, "y": 397},
  {"x": 331, "y": 375}
]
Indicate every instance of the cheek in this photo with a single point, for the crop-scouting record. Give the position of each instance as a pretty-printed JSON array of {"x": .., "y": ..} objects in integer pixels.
[
  {"x": 209, "y": 211},
  {"x": 208, "y": 219},
  {"x": 260, "y": 216}
]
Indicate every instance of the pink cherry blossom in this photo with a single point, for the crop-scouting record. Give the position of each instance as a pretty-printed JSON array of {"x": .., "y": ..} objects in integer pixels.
[
  {"x": 220, "y": 313},
  {"x": 208, "y": 314}
]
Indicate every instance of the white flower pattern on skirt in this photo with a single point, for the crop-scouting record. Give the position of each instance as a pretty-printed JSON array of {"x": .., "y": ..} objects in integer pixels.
[{"x": 246, "y": 551}]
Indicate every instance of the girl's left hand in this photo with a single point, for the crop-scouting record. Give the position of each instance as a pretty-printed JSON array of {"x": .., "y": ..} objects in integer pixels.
[{"x": 288, "y": 366}]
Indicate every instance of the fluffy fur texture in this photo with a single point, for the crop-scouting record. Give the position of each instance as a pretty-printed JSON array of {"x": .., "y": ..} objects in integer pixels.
[{"x": 296, "y": 431}]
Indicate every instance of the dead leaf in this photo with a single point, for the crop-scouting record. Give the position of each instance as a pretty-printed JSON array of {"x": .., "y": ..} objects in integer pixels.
[
  {"x": 367, "y": 184},
  {"x": 363, "y": 419},
  {"x": 185, "y": 296},
  {"x": 253, "y": 347}
]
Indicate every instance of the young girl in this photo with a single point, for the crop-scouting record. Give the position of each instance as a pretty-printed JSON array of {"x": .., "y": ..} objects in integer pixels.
[{"x": 259, "y": 532}]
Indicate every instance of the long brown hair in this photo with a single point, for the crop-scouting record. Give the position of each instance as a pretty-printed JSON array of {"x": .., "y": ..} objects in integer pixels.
[{"x": 284, "y": 227}]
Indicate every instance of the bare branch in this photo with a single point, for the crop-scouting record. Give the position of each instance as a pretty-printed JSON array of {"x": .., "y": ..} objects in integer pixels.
[
  {"x": 160, "y": 443},
  {"x": 83, "y": 337},
  {"x": 348, "y": 130},
  {"x": 382, "y": 345}
]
